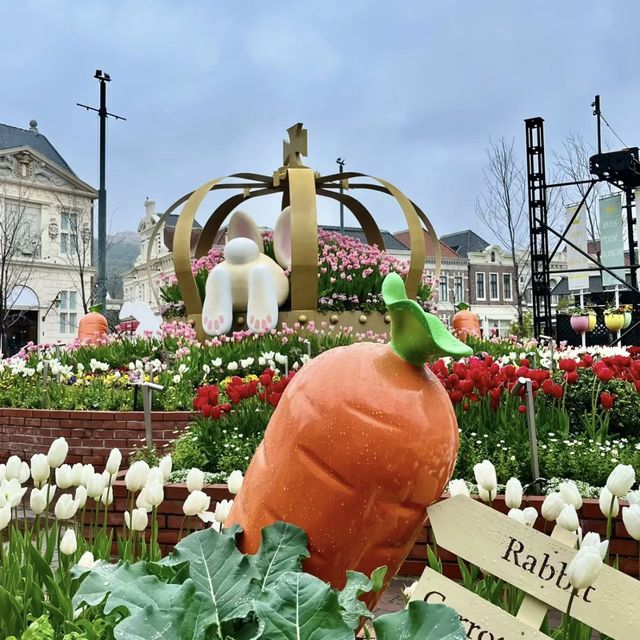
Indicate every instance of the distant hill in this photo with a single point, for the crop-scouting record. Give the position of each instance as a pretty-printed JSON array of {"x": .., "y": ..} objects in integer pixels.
[{"x": 122, "y": 250}]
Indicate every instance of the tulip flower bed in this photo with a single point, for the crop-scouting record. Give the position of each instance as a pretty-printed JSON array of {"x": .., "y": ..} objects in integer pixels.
[{"x": 350, "y": 275}]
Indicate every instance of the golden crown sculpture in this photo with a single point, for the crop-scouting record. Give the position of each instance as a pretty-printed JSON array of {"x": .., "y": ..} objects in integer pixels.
[{"x": 299, "y": 186}]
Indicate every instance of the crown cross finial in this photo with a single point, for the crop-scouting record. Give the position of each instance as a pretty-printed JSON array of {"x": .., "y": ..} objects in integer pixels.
[{"x": 296, "y": 146}]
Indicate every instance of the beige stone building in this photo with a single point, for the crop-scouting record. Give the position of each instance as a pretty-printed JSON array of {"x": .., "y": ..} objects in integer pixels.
[{"x": 46, "y": 241}]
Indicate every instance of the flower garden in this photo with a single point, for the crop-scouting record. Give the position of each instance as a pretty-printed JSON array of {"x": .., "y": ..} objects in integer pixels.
[{"x": 105, "y": 537}]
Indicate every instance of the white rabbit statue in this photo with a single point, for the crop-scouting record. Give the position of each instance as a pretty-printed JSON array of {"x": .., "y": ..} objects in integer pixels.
[
  {"x": 247, "y": 280},
  {"x": 149, "y": 322}
]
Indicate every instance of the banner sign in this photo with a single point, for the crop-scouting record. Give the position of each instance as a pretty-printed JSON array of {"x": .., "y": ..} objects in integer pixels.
[
  {"x": 611, "y": 242},
  {"x": 577, "y": 234}
]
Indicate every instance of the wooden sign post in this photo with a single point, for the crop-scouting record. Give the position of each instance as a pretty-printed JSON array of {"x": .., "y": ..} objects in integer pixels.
[{"x": 531, "y": 561}]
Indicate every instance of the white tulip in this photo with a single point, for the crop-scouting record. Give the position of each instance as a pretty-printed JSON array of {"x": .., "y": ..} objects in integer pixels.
[
  {"x": 68, "y": 544},
  {"x": 57, "y": 452},
  {"x": 87, "y": 474},
  {"x": 166, "y": 464},
  {"x": 570, "y": 494},
  {"x": 3, "y": 472},
  {"x": 76, "y": 474},
  {"x": 234, "y": 481},
  {"x": 95, "y": 486},
  {"x": 81, "y": 496},
  {"x": 568, "y": 518},
  {"x": 609, "y": 504},
  {"x": 5, "y": 516},
  {"x": 142, "y": 502},
  {"x": 195, "y": 480},
  {"x": 458, "y": 488},
  {"x": 485, "y": 474},
  {"x": 13, "y": 467},
  {"x": 107, "y": 497},
  {"x": 196, "y": 503},
  {"x": 136, "y": 476},
  {"x": 223, "y": 508},
  {"x": 37, "y": 501},
  {"x": 13, "y": 491},
  {"x": 63, "y": 476},
  {"x": 592, "y": 539},
  {"x": 25, "y": 472},
  {"x": 513, "y": 493},
  {"x": 87, "y": 560},
  {"x": 39, "y": 469},
  {"x": 486, "y": 496},
  {"x": 552, "y": 506},
  {"x": 155, "y": 476},
  {"x": 48, "y": 491},
  {"x": 530, "y": 516},
  {"x": 631, "y": 519},
  {"x": 621, "y": 479},
  {"x": 517, "y": 515},
  {"x": 113, "y": 462},
  {"x": 633, "y": 497},
  {"x": 137, "y": 520},
  {"x": 66, "y": 507},
  {"x": 584, "y": 568},
  {"x": 154, "y": 494}
]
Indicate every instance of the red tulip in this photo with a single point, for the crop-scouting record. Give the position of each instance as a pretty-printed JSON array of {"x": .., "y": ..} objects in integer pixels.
[
  {"x": 567, "y": 364},
  {"x": 522, "y": 408},
  {"x": 606, "y": 400},
  {"x": 604, "y": 374},
  {"x": 571, "y": 377}
]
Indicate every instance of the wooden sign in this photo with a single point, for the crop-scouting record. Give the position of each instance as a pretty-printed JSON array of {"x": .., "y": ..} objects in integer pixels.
[
  {"x": 481, "y": 619},
  {"x": 536, "y": 564}
]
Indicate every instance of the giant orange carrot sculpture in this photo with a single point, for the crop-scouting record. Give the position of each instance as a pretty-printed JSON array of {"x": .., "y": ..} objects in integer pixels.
[{"x": 362, "y": 441}]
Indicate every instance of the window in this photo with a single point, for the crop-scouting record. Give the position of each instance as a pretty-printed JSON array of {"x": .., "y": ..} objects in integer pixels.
[
  {"x": 506, "y": 286},
  {"x": 493, "y": 284},
  {"x": 68, "y": 311},
  {"x": 68, "y": 233},
  {"x": 27, "y": 219},
  {"x": 493, "y": 256},
  {"x": 480, "y": 286},
  {"x": 457, "y": 289},
  {"x": 443, "y": 289}
]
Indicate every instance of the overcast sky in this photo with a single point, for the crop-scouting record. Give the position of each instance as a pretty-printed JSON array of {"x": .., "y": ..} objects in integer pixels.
[{"x": 408, "y": 91}]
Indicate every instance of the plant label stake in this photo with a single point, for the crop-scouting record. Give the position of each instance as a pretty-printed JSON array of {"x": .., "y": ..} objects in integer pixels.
[
  {"x": 536, "y": 564},
  {"x": 531, "y": 422},
  {"x": 147, "y": 393}
]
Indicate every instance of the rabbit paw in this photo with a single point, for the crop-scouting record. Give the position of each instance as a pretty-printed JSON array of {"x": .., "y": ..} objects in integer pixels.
[
  {"x": 217, "y": 310},
  {"x": 262, "y": 306}
]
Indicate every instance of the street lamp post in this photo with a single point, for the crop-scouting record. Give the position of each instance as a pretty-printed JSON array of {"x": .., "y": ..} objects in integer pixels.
[{"x": 340, "y": 162}]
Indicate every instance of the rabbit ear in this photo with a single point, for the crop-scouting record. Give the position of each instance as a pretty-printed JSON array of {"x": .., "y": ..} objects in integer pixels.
[
  {"x": 282, "y": 238},
  {"x": 242, "y": 225}
]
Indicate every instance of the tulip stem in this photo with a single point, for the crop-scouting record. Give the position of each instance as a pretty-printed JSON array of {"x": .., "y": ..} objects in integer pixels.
[
  {"x": 154, "y": 535},
  {"x": 566, "y": 618},
  {"x": 181, "y": 528},
  {"x": 609, "y": 525},
  {"x": 106, "y": 505}
]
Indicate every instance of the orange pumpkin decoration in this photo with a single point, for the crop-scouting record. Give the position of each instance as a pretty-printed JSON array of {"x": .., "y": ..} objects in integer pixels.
[
  {"x": 362, "y": 441},
  {"x": 465, "y": 323},
  {"x": 93, "y": 325}
]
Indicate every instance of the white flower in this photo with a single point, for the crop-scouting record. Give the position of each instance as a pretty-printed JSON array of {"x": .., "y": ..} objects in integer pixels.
[
  {"x": 37, "y": 501},
  {"x": 39, "y": 469},
  {"x": 87, "y": 561},
  {"x": 81, "y": 496},
  {"x": 165, "y": 466},
  {"x": 12, "y": 470},
  {"x": 517, "y": 515},
  {"x": 196, "y": 503},
  {"x": 568, "y": 518},
  {"x": 137, "y": 520},
  {"x": 408, "y": 592},
  {"x": 177, "y": 379},
  {"x": 633, "y": 497},
  {"x": 136, "y": 476},
  {"x": 245, "y": 363},
  {"x": 631, "y": 519},
  {"x": 153, "y": 494},
  {"x": 5, "y": 516},
  {"x": 87, "y": 474},
  {"x": 458, "y": 488},
  {"x": 206, "y": 368},
  {"x": 584, "y": 568},
  {"x": 95, "y": 486},
  {"x": 195, "y": 480},
  {"x": 592, "y": 539},
  {"x": 621, "y": 479},
  {"x": 57, "y": 452},
  {"x": 223, "y": 508},
  {"x": 570, "y": 494},
  {"x": 530, "y": 516},
  {"x": 25, "y": 472},
  {"x": 234, "y": 481},
  {"x": 182, "y": 369},
  {"x": 113, "y": 462},
  {"x": 609, "y": 504},
  {"x": 486, "y": 496},
  {"x": 48, "y": 491},
  {"x": 76, "y": 474},
  {"x": 552, "y": 506},
  {"x": 232, "y": 366},
  {"x": 66, "y": 507},
  {"x": 13, "y": 492},
  {"x": 63, "y": 476},
  {"x": 216, "y": 362},
  {"x": 485, "y": 474},
  {"x": 68, "y": 544},
  {"x": 106, "y": 498},
  {"x": 513, "y": 493}
]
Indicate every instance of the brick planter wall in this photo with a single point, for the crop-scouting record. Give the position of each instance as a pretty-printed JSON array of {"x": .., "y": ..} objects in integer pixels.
[
  {"x": 170, "y": 517},
  {"x": 91, "y": 434}
]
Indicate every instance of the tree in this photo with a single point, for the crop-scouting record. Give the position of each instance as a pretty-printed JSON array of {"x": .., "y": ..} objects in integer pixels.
[
  {"x": 20, "y": 245},
  {"x": 503, "y": 209}
]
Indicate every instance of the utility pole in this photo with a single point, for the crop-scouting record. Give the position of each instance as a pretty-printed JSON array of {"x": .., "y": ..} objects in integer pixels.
[
  {"x": 340, "y": 162},
  {"x": 103, "y": 114}
]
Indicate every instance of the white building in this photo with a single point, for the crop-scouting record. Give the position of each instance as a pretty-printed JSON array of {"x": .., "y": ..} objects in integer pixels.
[{"x": 46, "y": 236}]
